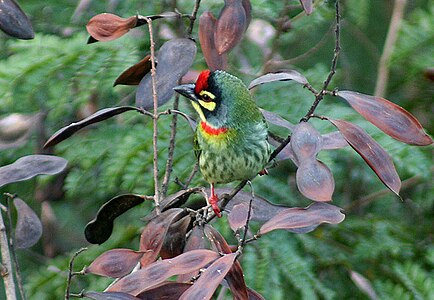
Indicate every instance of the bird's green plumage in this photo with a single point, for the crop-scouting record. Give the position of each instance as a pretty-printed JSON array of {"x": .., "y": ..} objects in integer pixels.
[{"x": 242, "y": 150}]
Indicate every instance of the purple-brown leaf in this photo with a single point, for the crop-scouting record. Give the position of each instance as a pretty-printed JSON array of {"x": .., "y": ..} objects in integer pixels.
[
  {"x": 100, "y": 228},
  {"x": 333, "y": 140},
  {"x": 307, "y": 6},
  {"x": 28, "y": 229},
  {"x": 166, "y": 291},
  {"x": 392, "y": 119},
  {"x": 196, "y": 240},
  {"x": 101, "y": 115},
  {"x": 313, "y": 215},
  {"x": 174, "y": 59},
  {"x": 213, "y": 59},
  {"x": 283, "y": 76},
  {"x": 277, "y": 120},
  {"x": 30, "y": 166},
  {"x": 230, "y": 26},
  {"x": 107, "y": 27},
  {"x": 109, "y": 296},
  {"x": 159, "y": 271},
  {"x": 375, "y": 156},
  {"x": 174, "y": 241},
  {"x": 154, "y": 233},
  {"x": 248, "y": 10},
  {"x": 14, "y": 22},
  {"x": 315, "y": 180},
  {"x": 254, "y": 295},
  {"x": 134, "y": 74},
  {"x": 115, "y": 263},
  {"x": 218, "y": 242},
  {"x": 305, "y": 142},
  {"x": 209, "y": 280}
]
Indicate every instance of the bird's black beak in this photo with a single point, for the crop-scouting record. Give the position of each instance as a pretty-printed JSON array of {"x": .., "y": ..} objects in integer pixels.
[{"x": 187, "y": 90}]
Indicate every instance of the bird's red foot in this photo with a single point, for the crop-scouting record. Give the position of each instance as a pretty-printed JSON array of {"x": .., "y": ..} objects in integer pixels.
[
  {"x": 263, "y": 172},
  {"x": 213, "y": 200}
]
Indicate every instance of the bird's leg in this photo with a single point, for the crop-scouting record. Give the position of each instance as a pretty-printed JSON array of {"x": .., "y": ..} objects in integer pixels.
[{"x": 213, "y": 200}]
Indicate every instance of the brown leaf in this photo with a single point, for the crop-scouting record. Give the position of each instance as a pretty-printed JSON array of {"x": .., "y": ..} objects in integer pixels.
[
  {"x": 254, "y": 295},
  {"x": 235, "y": 280},
  {"x": 209, "y": 280},
  {"x": 109, "y": 296},
  {"x": 159, "y": 271},
  {"x": 100, "y": 228},
  {"x": 315, "y": 180},
  {"x": 115, "y": 263},
  {"x": 248, "y": 10},
  {"x": 392, "y": 119},
  {"x": 174, "y": 241},
  {"x": 14, "y": 22},
  {"x": 307, "y": 6},
  {"x": 174, "y": 59},
  {"x": 230, "y": 26},
  {"x": 277, "y": 120},
  {"x": 305, "y": 142},
  {"x": 313, "y": 215},
  {"x": 101, "y": 115},
  {"x": 213, "y": 59},
  {"x": 30, "y": 166},
  {"x": 107, "y": 27},
  {"x": 196, "y": 240},
  {"x": 154, "y": 233},
  {"x": 28, "y": 229},
  {"x": 218, "y": 242},
  {"x": 375, "y": 156},
  {"x": 333, "y": 140},
  {"x": 238, "y": 216},
  {"x": 134, "y": 74},
  {"x": 165, "y": 291},
  {"x": 281, "y": 76}
]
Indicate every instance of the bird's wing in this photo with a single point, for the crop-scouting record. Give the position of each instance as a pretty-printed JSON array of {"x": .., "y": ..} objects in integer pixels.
[{"x": 196, "y": 147}]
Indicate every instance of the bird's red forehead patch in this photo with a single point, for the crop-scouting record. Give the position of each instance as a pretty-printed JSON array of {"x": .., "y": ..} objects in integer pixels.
[{"x": 202, "y": 81}]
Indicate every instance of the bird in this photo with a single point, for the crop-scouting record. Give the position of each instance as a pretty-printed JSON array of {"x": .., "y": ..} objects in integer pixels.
[{"x": 230, "y": 140}]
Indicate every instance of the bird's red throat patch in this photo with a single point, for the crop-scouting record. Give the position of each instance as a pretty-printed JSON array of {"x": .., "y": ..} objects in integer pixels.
[
  {"x": 211, "y": 130},
  {"x": 202, "y": 81}
]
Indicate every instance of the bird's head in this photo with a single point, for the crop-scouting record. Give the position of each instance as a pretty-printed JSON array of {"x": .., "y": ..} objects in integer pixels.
[{"x": 218, "y": 97}]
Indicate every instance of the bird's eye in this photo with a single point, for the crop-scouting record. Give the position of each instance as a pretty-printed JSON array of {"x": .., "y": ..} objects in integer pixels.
[{"x": 206, "y": 97}]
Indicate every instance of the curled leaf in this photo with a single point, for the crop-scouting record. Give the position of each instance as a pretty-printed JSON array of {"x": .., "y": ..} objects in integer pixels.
[
  {"x": 214, "y": 60},
  {"x": 30, "y": 166},
  {"x": 154, "y": 233},
  {"x": 313, "y": 215},
  {"x": 101, "y": 115},
  {"x": 305, "y": 142},
  {"x": 315, "y": 180},
  {"x": 14, "y": 22},
  {"x": 282, "y": 76},
  {"x": 28, "y": 229},
  {"x": 210, "y": 279},
  {"x": 100, "y": 228},
  {"x": 392, "y": 119},
  {"x": 174, "y": 59},
  {"x": 115, "y": 263},
  {"x": 375, "y": 156},
  {"x": 159, "y": 271},
  {"x": 107, "y": 27},
  {"x": 230, "y": 26},
  {"x": 134, "y": 74}
]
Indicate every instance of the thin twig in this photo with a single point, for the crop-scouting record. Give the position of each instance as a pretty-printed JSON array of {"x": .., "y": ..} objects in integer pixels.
[
  {"x": 320, "y": 95},
  {"x": 13, "y": 250},
  {"x": 242, "y": 242},
  {"x": 71, "y": 273},
  {"x": 8, "y": 277},
  {"x": 193, "y": 17},
  {"x": 155, "y": 118},
  {"x": 392, "y": 34}
]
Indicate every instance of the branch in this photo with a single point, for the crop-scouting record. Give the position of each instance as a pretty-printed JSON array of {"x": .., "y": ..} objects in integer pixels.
[
  {"x": 320, "y": 95},
  {"x": 193, "y": 17},
  {"x": 392, "y": 34},
  {"x": 71, "y": 273},
  {"x": 8, "y": 277},
  {"x": 155, "y": 118}
]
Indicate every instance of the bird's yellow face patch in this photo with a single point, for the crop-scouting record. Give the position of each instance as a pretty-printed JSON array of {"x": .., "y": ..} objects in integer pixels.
[{"x": 207, "y": 100}]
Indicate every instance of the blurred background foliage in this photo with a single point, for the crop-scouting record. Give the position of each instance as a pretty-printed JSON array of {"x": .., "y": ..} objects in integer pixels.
[{"x": 387, "y": 241}]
